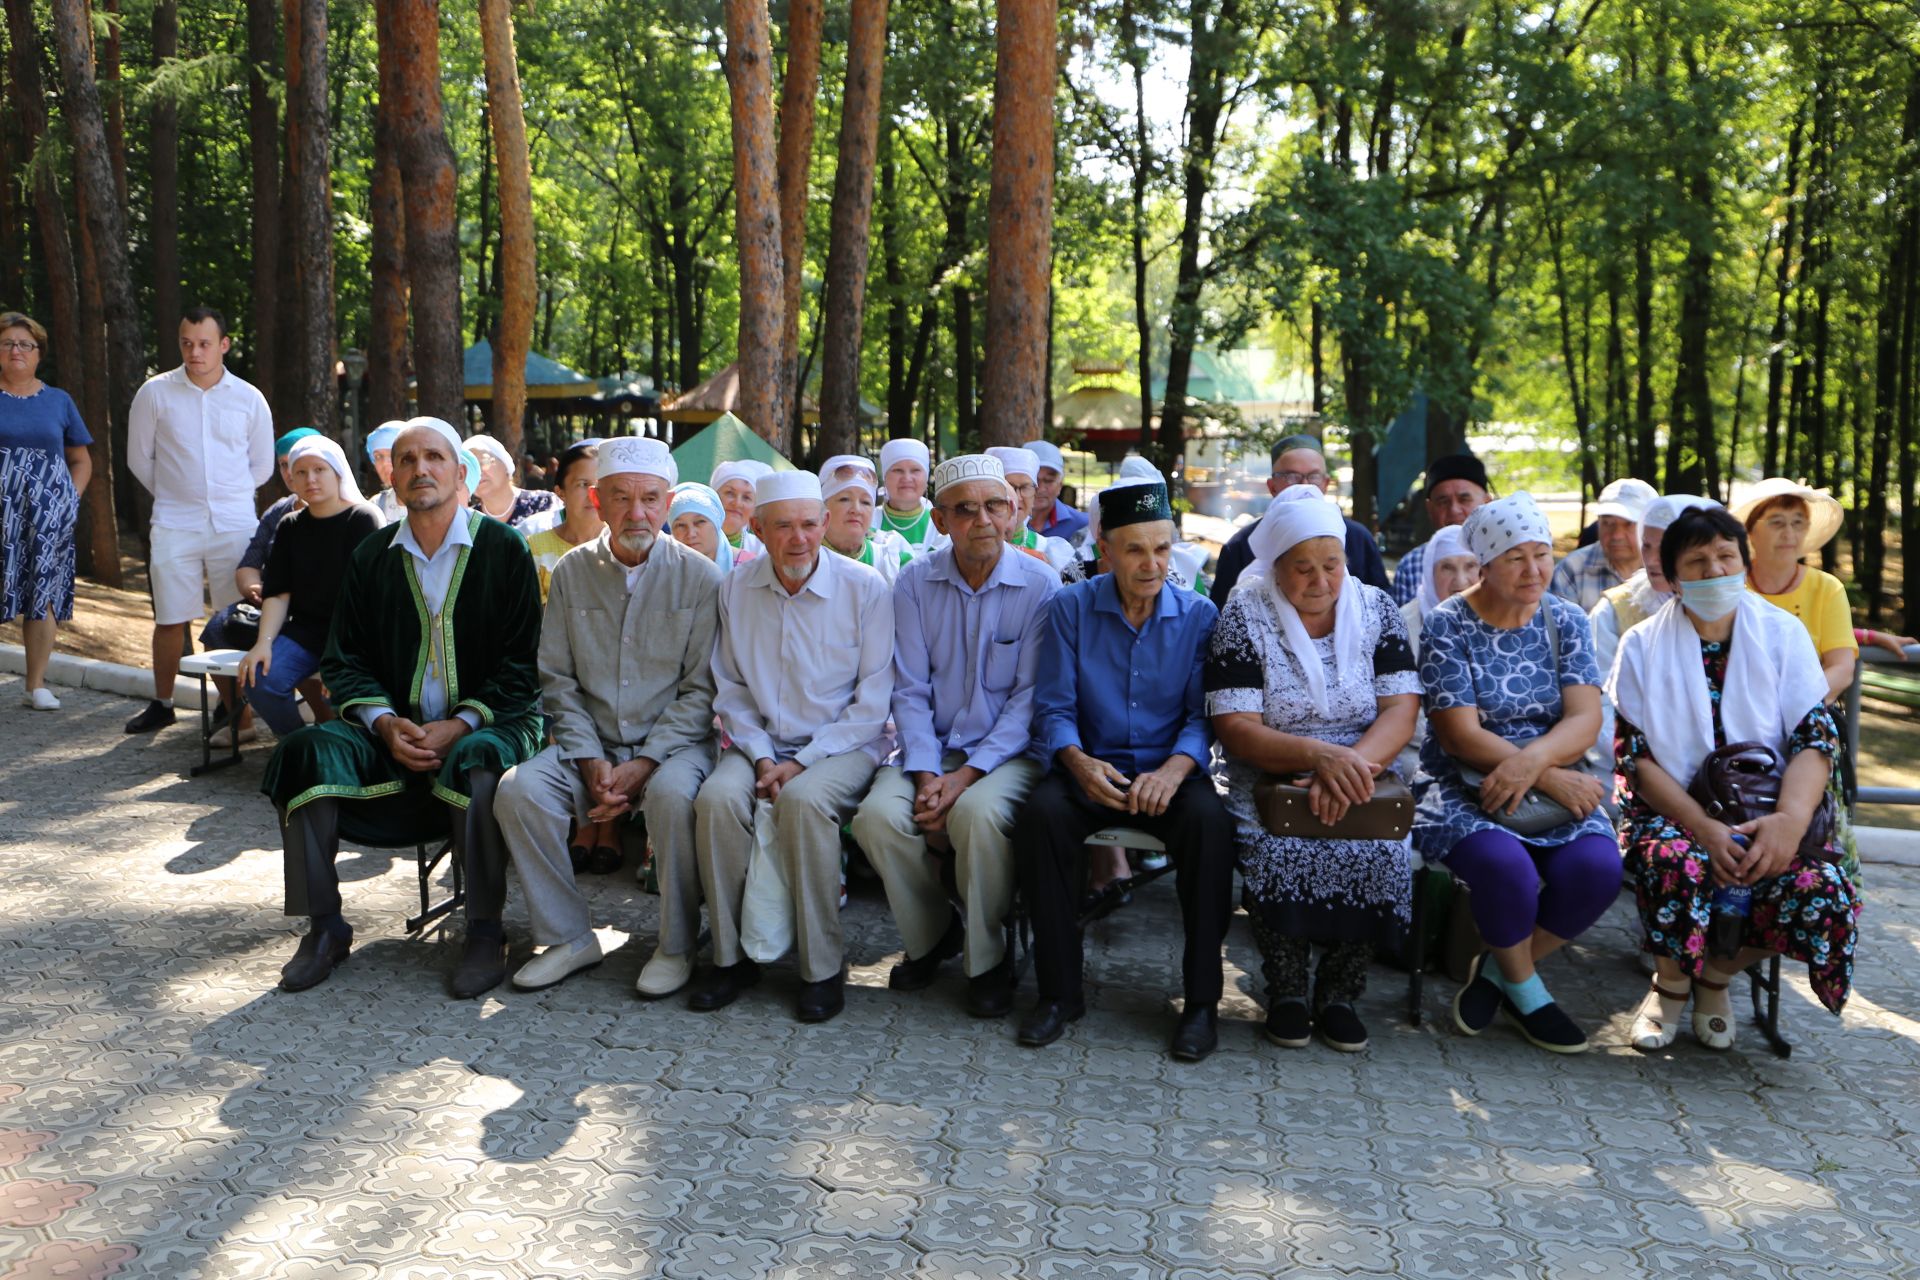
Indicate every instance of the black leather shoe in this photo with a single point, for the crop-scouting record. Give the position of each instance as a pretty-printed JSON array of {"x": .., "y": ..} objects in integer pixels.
[
  {"x": 319, "y": 954},
  {"x": 822, "y": 1000},
  {"x": 990, "y": 994},
  {"x": 1049, "y": 1020},
  {"x": 604, "y": 860},
  {"x": 917, "y": 975},
  {"x": 1198, "y": 1033},
  {"x": 723, "y": 985},
  {"x": 1475, "y": 1004},
  {"x": 158, "y": 715},
  {"x": 482, "y": 968}
]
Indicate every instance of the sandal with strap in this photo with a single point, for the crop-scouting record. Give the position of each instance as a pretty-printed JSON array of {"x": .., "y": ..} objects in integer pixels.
[
  {"x": 1658, "y": 1023},
  {"x": 1714, "y": 1030}
]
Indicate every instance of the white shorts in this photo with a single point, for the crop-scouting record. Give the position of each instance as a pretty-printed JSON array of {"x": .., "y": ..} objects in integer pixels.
[{"x": 187, "y": 566}]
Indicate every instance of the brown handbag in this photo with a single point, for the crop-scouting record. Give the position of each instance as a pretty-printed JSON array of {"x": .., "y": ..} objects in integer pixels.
[
  {"x": 1283, "y": 809},
  {"x": 1741, "y": 781}
]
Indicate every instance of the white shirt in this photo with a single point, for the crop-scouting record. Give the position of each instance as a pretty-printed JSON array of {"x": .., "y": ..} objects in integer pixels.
[
  {"x": 200, "y": 453},
  {"x": 392, "y": 510},
  {"x": 436, "y": 577},
  {"x": 809, "y": 675}
]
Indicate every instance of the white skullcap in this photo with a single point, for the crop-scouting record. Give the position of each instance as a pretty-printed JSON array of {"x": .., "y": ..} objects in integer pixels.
[
  {"x": 1503, "y": 524},
  {"x": 1663, "y": 511},
  {"x": 1048, "y": 455},
  {"x": 1135, "y": 467},
  {"x": 786, "y": 486},
  {"x": 1297, "y": 513},
  {"x": 335, "y": 456},
  {"x": 748, "y": 469},
  {"x": 832, "y": 482},
  {"x": 637, "y": 456},
  {"x": 904, "y": 451},
  {"x": 1625, "y": 499},
  {"x": 486, "y": 445},
  {"x": 967, "y": 466},
  {"x": 1017, "y": 462},
  {"x": 463, "y": 455}
]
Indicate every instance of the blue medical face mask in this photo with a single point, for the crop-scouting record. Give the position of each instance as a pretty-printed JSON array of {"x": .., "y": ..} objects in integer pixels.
[{"x": 1712, "y": 599}]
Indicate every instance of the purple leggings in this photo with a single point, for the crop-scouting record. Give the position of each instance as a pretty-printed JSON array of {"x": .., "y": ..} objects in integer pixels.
[{"x": 1562, "y": 889}]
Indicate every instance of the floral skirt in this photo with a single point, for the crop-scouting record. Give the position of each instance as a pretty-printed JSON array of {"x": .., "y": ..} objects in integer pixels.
[{"x": 1809, "y": 912}]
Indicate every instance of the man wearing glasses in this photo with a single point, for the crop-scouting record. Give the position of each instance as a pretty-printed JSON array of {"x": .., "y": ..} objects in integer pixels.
[
  {"x": 968, "y": 622},
  {"x": 1299, "y": 460}
]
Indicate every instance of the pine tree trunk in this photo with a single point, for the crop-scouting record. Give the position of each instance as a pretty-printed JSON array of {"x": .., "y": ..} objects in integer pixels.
[
  {"x": 315, "y": 397},
  {"x": 1013, "y": 392},
  {"x": 514, "y": 337},
  {"x": 387, "y": 258},
  {"x": 163, "y": 164},
  {"x": 756, "y": 186},
  {"x": 105, "y": 227},
  {"x": 263, "y": 142},
  {"x": 1646, "y": 455},
  {"x": 432, "y": 210},
  {"x": 799, "y": 90},
  {"x": 113, "y": 98}
]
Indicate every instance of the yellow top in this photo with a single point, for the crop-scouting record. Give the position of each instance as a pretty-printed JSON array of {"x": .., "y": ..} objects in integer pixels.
[
  {"x": 1820, "y": 602},
  {"x": 547, "y": 547}
]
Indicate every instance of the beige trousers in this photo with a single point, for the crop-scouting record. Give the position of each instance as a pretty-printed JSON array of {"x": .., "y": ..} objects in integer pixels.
[{"x": 980, "y": 825}]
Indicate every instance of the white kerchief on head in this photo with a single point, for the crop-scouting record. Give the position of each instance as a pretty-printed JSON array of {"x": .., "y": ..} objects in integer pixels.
[
  {"x": 1444, "y": 543},
  {"x": 486, "y": 444},
  {"x": 1659, "y": 683},
  {"x": 335, "y": 456},
  {"x": 1503, "y": 524},
  {"x": 637, "y": 456},
  {"x": 967, "y": 466},
  {"x": 908, "y": 450},
  {"x": 1135, "y": 467},
  {"x": 736, "y": 470},
  {"x": 1297, "y": 513},
  {"x": 1663, "y": 511},
  {"x": 470, "y": 465},
  {"x": 1017, "y": 462},
  {"x": 786, "y": 486},
  {"x": 859, "y": 471},
  {"x": 1048, "y": 454}
]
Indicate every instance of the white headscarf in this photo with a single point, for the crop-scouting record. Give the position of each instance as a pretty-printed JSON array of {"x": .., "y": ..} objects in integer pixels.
[
  {"x": 1663, "y": 511},
  {"x": 1503, "y": 524},
  {"x": 831, "y": 482},
  {"x": 1444, "y": 544},
  {"x": 1659, "y": 684},
  {"x": 336, "y": 458},
  {"x": 908, "y": 450},
  {"x": 1135, "y": 467},
  {"x": 1297, "y": 513},
  {"x": 748, "y": 469},
  {"x": 486, "y": 445}
]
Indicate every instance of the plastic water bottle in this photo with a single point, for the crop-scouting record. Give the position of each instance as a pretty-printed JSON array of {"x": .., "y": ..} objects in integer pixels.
[{"x": 1732, "y": 904}]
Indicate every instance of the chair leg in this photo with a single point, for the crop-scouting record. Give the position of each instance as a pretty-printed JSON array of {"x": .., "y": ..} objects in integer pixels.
[
  {"x": 1768, "y": 1019},
  {"x": 431, "y": 911},
  {"x": 1416, "y": 949}
]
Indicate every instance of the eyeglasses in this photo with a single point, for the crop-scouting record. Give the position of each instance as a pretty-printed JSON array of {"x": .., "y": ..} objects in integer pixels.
[
  {"x": 15, "y": 344},
  {"x": 1300, "y": 477},
  {"x": 998, "y": 508}
]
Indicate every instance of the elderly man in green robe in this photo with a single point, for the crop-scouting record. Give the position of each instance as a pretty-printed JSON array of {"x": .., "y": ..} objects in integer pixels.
[{"x": 432, "y": 664}]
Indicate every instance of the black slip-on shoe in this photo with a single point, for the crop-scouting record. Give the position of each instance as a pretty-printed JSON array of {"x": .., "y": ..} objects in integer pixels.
[
  {"x": 158, "y": 715},
  {"x": 1289, "y": 1025},
  {"x": 1198, "y": 1033},
  {"x": 723, "y": 985},
  {"x": 319, "y": 954},
  {"x": 1341, "y": 1028},
  {"x": 823, "y": 1000},
  {"x": 1476, "y": 1003},
  {"x": 1547, "y": 1027},
  {"x": 1048, "y": 1021}
]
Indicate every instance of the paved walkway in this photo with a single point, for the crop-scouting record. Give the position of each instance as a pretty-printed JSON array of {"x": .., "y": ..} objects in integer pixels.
[{"x": 164, "y": 1112}]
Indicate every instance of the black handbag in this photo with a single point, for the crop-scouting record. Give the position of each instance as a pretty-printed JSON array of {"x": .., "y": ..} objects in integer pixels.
[{"x": 1741, "y": 781}]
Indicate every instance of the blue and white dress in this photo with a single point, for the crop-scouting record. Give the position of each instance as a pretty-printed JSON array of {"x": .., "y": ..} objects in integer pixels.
[
  {"x": 1508, "y": 675},
  {"x": 38, "y": 505}
]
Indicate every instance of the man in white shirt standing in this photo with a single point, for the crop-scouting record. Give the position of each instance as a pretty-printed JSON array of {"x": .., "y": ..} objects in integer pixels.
[
  {"x": 200, "y": 441},
  {"x": 803, "y": 678}
]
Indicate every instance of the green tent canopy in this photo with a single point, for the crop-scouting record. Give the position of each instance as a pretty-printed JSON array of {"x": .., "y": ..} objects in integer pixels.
[
  {"x": 547, "y": 379},
  {"x": 725, "y": 439}
]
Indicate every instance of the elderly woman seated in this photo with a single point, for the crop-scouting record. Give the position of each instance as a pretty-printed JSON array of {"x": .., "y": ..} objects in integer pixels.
[
  {"x": 1513, "y": 699},
  {"x": 1309, "y": 672},
  {"x": 697, "y": 518},
  {"x": 1718, "y": 665},
  {"x": 850, "y": 484},
  {"x": 1447, "y": 569}
]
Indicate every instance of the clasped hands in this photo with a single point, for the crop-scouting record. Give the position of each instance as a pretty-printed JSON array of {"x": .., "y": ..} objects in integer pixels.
[
  {"x": 614, "y": 789},
  {"x": 421, "y": 748},
  {"x": 1508, "y": 782},
  {"x": 1772, "y": 842},
  {"x": 1149, "y": 793}
]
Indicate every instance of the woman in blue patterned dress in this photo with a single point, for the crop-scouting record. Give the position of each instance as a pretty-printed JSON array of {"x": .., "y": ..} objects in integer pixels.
[
  {"x": 44, "y": 468},
  {"x": 1505, "y": 699}
]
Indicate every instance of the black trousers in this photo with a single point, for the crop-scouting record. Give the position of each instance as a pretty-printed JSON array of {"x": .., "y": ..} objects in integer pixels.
[
  {"x": 311, "y": 839},
  {"x": 1049, "y": 847}
]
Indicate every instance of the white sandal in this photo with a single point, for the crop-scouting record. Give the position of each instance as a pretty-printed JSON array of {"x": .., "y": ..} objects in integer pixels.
[
  {"x": 1714, "y": 1030},
  {"x": 1658, "y": 1022}
]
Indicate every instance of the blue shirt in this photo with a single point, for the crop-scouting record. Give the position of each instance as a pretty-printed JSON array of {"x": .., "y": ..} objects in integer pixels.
[
  {"x": 1130, "y": 698},
  {"x": 1063, "y": 521},
  {"x": 47, "y": 420},
  {"x": 965, "y": 661}
]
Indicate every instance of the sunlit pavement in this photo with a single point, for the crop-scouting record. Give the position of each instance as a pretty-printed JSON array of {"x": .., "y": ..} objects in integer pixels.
[{"x": 165, "y": 1112}]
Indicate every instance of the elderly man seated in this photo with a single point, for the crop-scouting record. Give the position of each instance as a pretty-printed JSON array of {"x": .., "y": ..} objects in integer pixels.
[
  {"x": 1588, "y": 573},
  {"x": 803, "y": 671},
  {"x": 431, "y": 663},
  {"x": 626, "y": 675},
  {"x": 1119, "y": 716},
  {"x": 968, "y": 622}
]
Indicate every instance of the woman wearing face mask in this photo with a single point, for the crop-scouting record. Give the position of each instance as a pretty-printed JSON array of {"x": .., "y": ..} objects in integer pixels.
[{"x": 1718, "y": 665}]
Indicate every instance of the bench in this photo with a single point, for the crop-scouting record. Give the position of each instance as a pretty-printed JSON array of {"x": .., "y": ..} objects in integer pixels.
[{"x": 201, "y": 666}]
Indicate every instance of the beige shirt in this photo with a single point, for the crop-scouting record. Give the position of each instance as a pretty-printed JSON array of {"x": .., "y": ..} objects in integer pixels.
[{"x": 626, "y": 656}]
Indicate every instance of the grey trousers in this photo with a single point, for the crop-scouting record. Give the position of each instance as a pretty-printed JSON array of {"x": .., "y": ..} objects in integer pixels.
[
  {"x": 980, "y": 825},
  {"x": 807, "y": 817},
  {"x": 538, "y": 799}
]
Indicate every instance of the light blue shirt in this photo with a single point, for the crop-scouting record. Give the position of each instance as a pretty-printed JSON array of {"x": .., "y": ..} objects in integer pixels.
[
  {"x": 1131, "y": 697},
  {"x": 965, "y": 661},
  {"x": 436, "y": 578}
]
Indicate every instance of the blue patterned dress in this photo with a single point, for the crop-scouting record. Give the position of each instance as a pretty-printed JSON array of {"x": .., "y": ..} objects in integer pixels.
[
  {"x": 38, "y": 505},
  {"x": 1508, "y": 675}
]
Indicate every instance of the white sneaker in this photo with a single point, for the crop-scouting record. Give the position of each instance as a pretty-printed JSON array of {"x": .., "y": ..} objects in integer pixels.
[
  {"x": 558, "y": 962},
  {"x": 663, "y": 975},
  {"x": 40, "y": 699},
  {"x": 223, "y": 737}
]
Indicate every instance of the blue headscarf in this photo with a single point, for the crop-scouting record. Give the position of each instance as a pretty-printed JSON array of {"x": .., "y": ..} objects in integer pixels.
[
  {"x": 694, "y": 498},
  {"x": 382, "y": 437},
  {"x": 284, "y": 445}
]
